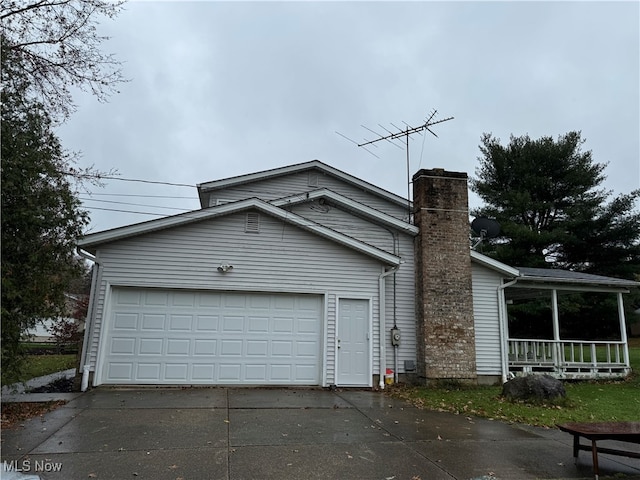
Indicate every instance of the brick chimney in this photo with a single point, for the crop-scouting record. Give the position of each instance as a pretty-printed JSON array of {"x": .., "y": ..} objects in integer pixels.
[{"x": 444, "y": 302}]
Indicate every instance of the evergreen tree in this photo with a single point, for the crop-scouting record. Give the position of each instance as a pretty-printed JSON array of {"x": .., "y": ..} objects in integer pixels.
[{"x": 553, "y": 212}]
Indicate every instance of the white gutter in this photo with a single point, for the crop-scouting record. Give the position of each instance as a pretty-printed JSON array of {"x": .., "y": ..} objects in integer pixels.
[
  {"x": 502, "y": 322},
  {"x": 382, "y": 322},
  {"x": 89, "y": 320}
]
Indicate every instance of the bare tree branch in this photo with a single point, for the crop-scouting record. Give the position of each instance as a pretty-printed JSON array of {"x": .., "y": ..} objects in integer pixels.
[{"x": 57, "y": 46}]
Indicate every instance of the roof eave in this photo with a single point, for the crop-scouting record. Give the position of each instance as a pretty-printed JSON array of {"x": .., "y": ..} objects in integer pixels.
[
  {"x": 364, "y": 210},
  {"x": 205, "y": 187},
  {"x": 92, "y": 241}
]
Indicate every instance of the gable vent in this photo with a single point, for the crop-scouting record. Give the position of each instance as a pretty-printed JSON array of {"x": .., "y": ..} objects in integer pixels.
[
  {"x": 252, "y": 224},
  {"x": 313, "y": 179}
]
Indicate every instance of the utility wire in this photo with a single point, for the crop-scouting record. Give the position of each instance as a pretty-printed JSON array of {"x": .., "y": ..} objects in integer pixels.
[
  {"x": 129, "y": 211},
  {"x": 110, "y": 177},
  {"x": 134, "y": 204},
  {"x": 140, "y": 196}
]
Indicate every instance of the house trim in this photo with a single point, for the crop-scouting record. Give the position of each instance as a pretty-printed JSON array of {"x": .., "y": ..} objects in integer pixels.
[
  {"x": 357, "y": 207},
  {"x": 93, "y": 240},
  {"x": 205, "y": 188},
  {"x": 495, "y": 265}
]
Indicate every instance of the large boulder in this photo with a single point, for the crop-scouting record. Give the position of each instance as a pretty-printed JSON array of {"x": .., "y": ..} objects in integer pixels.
[{"x": 534, "y": 387}]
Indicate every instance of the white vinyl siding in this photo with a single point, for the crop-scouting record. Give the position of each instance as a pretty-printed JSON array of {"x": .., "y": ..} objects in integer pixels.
[
  {"x": 282, "y": 258},
  {"x": 278, "y": 187},
  {"x": 365, "y": 231},
  {"x": 486, "y": 319},
  {"x": 347, "y": 223}
]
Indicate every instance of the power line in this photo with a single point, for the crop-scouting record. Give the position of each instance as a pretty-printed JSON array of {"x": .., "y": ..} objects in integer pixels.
[
  {"x": 134, "y": 204},
  {"x": 141, "y": 196},
  {"x": 128, "y": 211},
  {"x": 110, "y": 177}
]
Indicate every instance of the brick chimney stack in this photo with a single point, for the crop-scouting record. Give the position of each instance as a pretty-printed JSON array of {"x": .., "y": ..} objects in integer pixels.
[{"x": 444, "y": 302}]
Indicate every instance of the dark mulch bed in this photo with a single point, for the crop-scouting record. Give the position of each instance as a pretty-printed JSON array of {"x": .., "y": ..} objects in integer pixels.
[{"x": 61, "y": 385}]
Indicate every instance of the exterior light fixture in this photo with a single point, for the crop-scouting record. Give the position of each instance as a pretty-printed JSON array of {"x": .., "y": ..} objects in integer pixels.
[{"x": 224, "y": 268}]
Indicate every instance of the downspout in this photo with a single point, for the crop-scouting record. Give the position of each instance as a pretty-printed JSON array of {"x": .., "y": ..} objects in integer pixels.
[
  {"x": 89, "y": 320},
  {"x": 396, "y": 251},
  {"x": 502, "y": 321},
  {"x": 382, "y": 322}
]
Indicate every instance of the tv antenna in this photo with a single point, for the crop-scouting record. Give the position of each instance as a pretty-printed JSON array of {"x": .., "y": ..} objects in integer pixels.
[{"x": 398, "y": 133}]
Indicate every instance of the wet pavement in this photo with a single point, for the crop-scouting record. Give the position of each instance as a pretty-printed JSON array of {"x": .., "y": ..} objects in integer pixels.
[{"x": 245, "y": 433}]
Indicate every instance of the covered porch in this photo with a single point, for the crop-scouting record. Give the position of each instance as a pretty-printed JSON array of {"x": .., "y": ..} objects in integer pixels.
[{"x": 566, "y": 324}]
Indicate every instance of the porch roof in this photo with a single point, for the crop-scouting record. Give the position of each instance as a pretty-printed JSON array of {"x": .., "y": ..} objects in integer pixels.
[{"x": 567, "y": 277}]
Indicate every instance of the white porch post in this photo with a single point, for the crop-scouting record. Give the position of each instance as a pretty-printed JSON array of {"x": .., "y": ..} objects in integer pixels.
[
  {"x": 559, "y": 357},
  {"x": 623, "y": 330}
]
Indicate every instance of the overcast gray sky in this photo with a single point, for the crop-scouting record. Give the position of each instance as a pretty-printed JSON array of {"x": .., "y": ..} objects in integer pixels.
[{"x": 223, "y": 89}]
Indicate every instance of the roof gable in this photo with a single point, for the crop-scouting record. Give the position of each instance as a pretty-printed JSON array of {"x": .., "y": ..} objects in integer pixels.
[
  {"x": 204, "y": 189},
  {"x": 91, "y": 241},
  {"x": 348, "y": 204}
]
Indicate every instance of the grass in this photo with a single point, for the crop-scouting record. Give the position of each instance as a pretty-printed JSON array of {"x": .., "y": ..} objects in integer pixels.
[
  {"x": 591, "y": 401},
  {"x": 39, "y": 365}
]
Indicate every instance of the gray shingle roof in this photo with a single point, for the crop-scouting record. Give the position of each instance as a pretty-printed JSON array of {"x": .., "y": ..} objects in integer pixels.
[{"x": 566, "y": 276}]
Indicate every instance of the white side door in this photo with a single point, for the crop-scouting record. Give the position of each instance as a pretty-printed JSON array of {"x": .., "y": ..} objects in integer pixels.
[{"x": 353, "y": 343}]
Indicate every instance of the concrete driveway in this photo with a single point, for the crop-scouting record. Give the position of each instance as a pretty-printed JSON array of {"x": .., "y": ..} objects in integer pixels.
[{"x": 243, "y": 433}]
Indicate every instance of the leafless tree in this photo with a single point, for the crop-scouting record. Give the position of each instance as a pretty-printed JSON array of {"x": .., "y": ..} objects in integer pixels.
[{"x": 56, "y": 46}]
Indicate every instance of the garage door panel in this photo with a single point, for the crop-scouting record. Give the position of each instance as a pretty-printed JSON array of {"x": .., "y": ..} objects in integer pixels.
[
  {"x": 282, "y": 348},
  {"x": 151, "y": 346},
  {"x": 230, "y": 372},
  {"x": 148, "y": 372},
  {"x": 153, "y": 322},
  {"x": 205, "y": 347},
  {"x": 125, "y": 321},
  {"x": 203, "y": 373},
  {"x": 207, "y": 323},
  {"x": 120, "y": 371},
  {"x": 169, "y": 337},
  {"x": 258, "y": 325},
  {"x": 178, "y": 346},
  {"x": 177, "y": 372},
  {"x": 155, "y": 299},
  {"x": 180, "y": 322},
  {"x": 233, "y": 324}
]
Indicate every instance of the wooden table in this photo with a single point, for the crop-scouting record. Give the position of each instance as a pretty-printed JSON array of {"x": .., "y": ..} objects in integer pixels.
[{"x": 620, "y": 431}]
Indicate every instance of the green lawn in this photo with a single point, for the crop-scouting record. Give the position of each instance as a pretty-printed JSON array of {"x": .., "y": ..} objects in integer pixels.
[
  {"x": 39, "y": 365},
  {"x": 586, "y": 400}
]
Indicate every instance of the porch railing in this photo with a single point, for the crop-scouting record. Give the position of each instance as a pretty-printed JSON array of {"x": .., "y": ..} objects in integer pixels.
[{"x": 569, "y": 358}]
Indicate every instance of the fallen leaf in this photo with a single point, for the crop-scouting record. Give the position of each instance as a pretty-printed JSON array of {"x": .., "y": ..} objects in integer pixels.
[
  {"x": 93, "y": 475},
  {"x": 173, "y": 467}
]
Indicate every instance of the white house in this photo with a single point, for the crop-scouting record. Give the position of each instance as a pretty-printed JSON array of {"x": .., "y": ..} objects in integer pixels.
[{"x": 290, "y": 276}]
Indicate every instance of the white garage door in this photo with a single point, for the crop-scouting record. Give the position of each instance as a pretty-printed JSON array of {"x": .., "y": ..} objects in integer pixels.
[{"x": 189, "y": 337}]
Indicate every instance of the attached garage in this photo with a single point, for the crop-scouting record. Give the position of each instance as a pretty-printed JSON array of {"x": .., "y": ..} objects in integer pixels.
[{"x": 170, "y": 337}]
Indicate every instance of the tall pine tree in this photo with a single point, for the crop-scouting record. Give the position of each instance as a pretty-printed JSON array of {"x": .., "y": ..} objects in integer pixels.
[{"x": 547, "y": 196}]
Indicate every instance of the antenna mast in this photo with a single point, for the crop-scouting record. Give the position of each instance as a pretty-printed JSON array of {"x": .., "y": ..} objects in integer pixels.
[{"x": 405, "y": 132}]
